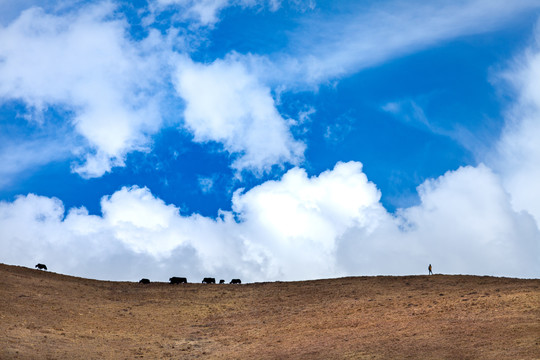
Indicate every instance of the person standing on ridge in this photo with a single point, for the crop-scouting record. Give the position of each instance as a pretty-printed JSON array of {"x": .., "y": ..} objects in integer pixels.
[{"x": 429, "y": 269}]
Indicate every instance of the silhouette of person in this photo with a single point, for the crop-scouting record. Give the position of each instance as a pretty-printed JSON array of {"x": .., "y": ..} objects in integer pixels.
[{"x": 429, "y": 268}]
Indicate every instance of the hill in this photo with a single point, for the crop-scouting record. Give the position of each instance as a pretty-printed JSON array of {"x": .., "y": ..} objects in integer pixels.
[{"x": 51, "y": 316}]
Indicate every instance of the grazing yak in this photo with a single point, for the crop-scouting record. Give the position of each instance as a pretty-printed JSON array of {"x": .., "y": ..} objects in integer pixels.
[
  {"x": 178, "y": 280},
  {"x": 222, "y": 281},
  {"x": 144, "y": 281},
  {"x": 41, "y": 266},
  {"x": 236, "y": 281},
  {"x": 209, "y": 280}
]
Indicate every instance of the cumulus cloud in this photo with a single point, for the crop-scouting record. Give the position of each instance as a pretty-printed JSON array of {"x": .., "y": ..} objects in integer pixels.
[
  {"x": 226, "y": 103},
  {"x": 294, "y": 222},
  {"x": 464, "y": 224},
  {"x": 292, "y": 238},
  {"x": 468, "y": 213},
  {"x": 84, "y": 62},
  {"x": 299, "y": 227},
  {"x": 517, "y": 157}
]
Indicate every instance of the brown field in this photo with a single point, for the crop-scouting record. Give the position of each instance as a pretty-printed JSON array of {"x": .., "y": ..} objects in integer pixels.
[{"x": 44, "y": 315}]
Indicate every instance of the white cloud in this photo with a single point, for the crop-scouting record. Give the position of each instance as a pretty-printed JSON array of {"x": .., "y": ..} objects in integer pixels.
[
  {"x": 226, "y": 103},
  {"x": 337, "y": 131},
  {"x": 206, "y": 12},
  {"x": 299, "y": 227},
  {"x": 468, "y": 214},
  {"x": 206, "y": 183},
  {"x": 294, "y": 223},
  {"x": 84, "y": 62},
  {"x": 517, "y": 157},
  {"x": 411, "y": 113},
  {"x": 463, "y": 225},
  {"x": 19, "y": 156},
  {"x": 363, "y": 34}
]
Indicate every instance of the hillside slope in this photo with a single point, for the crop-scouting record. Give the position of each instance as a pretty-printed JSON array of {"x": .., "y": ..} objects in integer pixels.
[{"x": 47, "y": 315}]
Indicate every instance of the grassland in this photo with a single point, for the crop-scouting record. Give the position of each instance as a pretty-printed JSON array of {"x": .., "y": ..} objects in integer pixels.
[{"x": 44, "y": 315}]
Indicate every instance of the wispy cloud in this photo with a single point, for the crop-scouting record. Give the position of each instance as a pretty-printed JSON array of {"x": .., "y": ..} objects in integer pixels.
[
  {"x": 206, "y": 12},
  {"x": 410, "y": 113},
  {"x": 206, "y": 183},
  {"x": 367, "y": 34},
  {"x": 17, "y": 158},
  {"x": 23, "y": 149}
]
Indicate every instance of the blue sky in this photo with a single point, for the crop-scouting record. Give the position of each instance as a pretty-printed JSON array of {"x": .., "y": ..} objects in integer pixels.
[{"x": 270, "y": 140}]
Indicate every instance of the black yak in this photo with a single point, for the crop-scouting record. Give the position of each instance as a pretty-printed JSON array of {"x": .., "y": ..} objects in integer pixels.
[
  {"x": 236, "y": 281},
  {"x": 144, "y": 281},
  {"x": 41, "y": 266},
  {"x": 222, "y": 281},
  {"x": 209, "y": 280},
  {"x": 178, "y": 280}
]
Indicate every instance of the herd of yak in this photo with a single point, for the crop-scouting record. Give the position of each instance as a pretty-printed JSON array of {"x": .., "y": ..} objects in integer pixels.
[
  {"x": 183, "y": 280},
  {"x": 173, "y": 280}
]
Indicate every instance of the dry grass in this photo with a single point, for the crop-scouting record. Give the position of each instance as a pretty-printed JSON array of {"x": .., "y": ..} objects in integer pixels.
[{"x": 51, "y": 316}]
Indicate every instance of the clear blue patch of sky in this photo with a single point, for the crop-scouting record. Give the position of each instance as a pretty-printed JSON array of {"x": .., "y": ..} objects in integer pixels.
[{"x": 250, "y": 30}]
